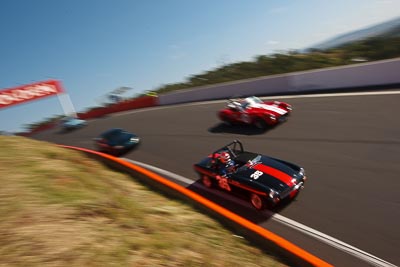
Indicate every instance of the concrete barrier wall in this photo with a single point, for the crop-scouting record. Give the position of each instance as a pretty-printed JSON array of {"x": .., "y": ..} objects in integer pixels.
[
  {"x": 360, "y": 75},
  {"x": 261, "y": 86},
  {"x": 378, "y": 73}
]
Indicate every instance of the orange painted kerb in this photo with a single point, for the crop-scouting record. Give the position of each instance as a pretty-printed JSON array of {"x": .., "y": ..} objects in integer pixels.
[{"x": 283, "y": 243}]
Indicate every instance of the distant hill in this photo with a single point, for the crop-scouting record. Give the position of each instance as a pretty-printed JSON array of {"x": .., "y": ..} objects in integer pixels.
[{"x": 391, "y": 27}]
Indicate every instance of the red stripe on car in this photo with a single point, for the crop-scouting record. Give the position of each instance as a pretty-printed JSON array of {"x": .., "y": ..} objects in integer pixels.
[{"x": 284, "y": 177}]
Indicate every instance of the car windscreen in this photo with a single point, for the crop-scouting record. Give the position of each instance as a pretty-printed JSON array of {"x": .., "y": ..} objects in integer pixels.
[
  {"x": 120, "y": 137},
  {"x": 251, "y": 162},
  {"x": 117, "y": 137},
  {"x": 63, "y": 120},
  {"x": 254, "y": 99}
]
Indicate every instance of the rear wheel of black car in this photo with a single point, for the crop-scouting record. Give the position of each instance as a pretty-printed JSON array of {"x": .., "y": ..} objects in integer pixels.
[
  {"x": 257, "y": 201},
  {"x": 206, "y": 180}
]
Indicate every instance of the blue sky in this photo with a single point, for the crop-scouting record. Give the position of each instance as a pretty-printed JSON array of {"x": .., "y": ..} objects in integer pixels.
[{"x": 96, "y": 46}]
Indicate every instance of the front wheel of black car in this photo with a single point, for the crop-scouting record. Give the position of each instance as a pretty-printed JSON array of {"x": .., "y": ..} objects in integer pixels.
[
  {"x": 207, "y": 182},
  {"x": 257, "y": 201}
]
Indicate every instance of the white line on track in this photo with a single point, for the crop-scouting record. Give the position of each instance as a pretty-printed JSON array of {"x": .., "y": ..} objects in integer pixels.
[
  {"x": 333, "y": 242},
  {"x": 375, "y": 261}
]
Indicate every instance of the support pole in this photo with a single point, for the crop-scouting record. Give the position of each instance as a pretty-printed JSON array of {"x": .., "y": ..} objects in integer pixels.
[{"x": 66, "y": 104}]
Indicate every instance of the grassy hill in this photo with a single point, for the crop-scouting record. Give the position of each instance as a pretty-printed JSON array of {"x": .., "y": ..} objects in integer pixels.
[
  {"x": 61, "y": 208},
  {"x": 387, "y": 28}
]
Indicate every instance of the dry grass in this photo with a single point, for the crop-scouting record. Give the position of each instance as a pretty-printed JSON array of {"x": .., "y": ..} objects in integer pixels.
[{"x": 60, "y": 208}]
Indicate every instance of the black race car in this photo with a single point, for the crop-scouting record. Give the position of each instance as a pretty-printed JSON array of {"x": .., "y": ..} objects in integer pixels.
[
  {"x": 116, "y": 141},
  {"x": 264, "y": 180}
]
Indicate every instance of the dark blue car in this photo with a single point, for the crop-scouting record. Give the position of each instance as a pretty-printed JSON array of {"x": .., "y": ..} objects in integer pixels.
[{"x": 116, "y": 141}]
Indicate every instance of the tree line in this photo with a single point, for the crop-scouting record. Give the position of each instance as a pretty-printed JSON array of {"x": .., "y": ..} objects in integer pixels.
[{"x": 371, "y": 49}]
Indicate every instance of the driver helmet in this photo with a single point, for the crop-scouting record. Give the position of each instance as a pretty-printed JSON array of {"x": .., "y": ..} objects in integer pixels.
[{"x": 225, "y": 157}]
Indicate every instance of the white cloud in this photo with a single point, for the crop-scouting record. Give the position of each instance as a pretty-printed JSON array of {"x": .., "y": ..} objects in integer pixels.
[{"x": 272, "y": 42}]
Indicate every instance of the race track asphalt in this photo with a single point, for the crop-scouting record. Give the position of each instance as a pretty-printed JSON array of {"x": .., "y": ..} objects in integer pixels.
[{"x": 348, "y": 145}]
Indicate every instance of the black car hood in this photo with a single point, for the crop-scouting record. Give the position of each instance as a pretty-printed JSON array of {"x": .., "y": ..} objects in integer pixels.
[
  {"x": 286, "y": 167},
  {"x": 268, "y": 172}
]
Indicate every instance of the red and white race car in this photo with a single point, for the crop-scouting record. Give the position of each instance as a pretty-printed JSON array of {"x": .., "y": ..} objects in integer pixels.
[{"x": 253, "y": 111}]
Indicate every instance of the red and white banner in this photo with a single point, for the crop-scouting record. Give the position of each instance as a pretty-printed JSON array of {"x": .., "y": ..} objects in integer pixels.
[{"x": 34, "y": 91}]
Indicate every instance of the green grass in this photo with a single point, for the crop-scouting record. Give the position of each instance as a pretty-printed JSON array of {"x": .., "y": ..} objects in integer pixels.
[{"x": 61, "y": 208}]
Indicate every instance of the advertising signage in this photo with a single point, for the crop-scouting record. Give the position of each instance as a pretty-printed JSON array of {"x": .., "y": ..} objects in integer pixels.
[{"x": 22, "y": 94}]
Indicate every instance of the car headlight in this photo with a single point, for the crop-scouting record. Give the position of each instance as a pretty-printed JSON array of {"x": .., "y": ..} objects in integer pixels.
[
  {"x": 302, "y": 172},
  {"x": 272, "y": 193},
  {"x": 272, "y": 117},
  {"x": 134, "y": 139}
]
